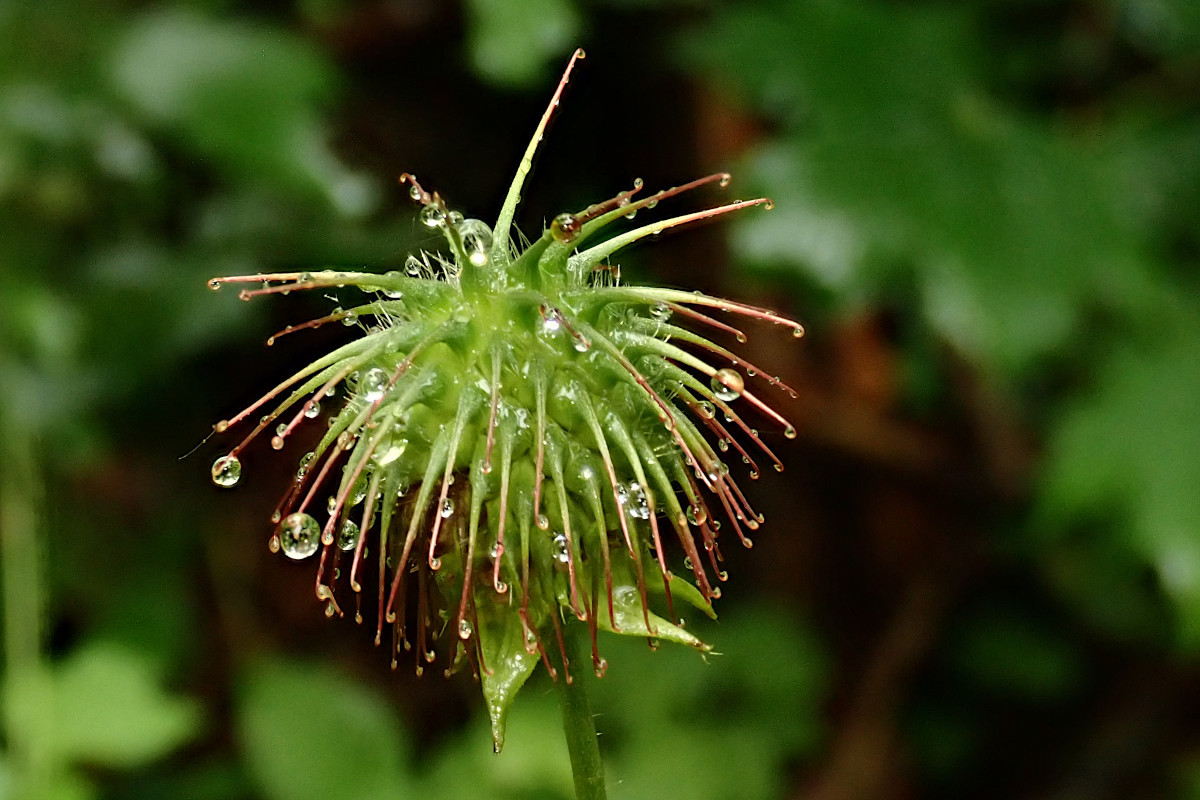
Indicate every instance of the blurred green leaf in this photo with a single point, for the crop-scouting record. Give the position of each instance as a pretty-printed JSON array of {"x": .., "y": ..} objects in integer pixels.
[
  {"x": 678, "y": 725},
  {"x": 1168, "y": 27},
  {"x": 534, "y": 764},
  {"x": 310, "y": 732},
  {"x": 1131, "y": 452},
  {"x": 110, "y": 709},
  {"x": 895, "y": 162},
  {"x": 1014, "y": 654},
  {"x": 511, "y": 42},
  {"x": 242, "y": 95}
]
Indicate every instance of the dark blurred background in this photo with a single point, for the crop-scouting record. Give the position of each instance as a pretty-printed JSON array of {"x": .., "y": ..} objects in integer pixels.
[{"x": 980, "y": 574}]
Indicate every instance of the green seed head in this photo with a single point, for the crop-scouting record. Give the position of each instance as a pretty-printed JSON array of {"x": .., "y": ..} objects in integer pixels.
[{"x": 520, "y": 438}]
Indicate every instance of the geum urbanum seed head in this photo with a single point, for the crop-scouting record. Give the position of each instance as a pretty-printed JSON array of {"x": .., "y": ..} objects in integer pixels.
[{"x": 523, "y": 435}]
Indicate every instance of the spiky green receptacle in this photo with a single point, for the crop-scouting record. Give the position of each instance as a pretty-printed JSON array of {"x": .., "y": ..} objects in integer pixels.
[{"x": 522, "y": 432}]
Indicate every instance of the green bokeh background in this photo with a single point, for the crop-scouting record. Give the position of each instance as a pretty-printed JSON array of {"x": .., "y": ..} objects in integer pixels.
[{"x": 980, "y": 575}]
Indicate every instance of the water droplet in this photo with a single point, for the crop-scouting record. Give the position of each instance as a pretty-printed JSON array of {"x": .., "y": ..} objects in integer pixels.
[
  {"x": 281, "y": 429},
  {"x": 565, "y": 228},
  {"x": 412, "y": 265},
  {"x": 634, "y": 499},
  {"x": 715, "y": 593},
  {"x": 301, "y": 536},
  {"x": 389, "y": 452},
  {"x": 581, "y": 344},
  {"x": 724, "y": 181},
  {"x": 551, "y": 324},
  {"x": 414, "y": 192},
  {"x": 276, "y": 515},
  {"x": 687, "y": 563},
  {"x": 394, "y": 294},
  {"x": 373, "y": 384},
  {"x": 542, "y": 521},
  {"x": 559, "y": 548},
  {"x": 348, "y": 536},
  {"x": 723, "y": 445},
  {"x": 214, "y": 284},
  {"x": 707, "y": 409},
  {"x": 447, "y": 507},
  {"x": 312, "y": 408},
  {"x": 727, "y": 384},
  {"x": 798, "y": 331},
  {"x": 221, "y": 426},
  {"x": 790, "y": 432},
  {"x": 227, "y": 471},
  {"x": 476, "y": 241},
  {"x": 349, "y": 319},
  {"x": 601, "y": 667},
  {"x": 660, "y": 311},
  {"x": 433, "y": 216},
  {"x": 696, "y": 515},
  {"x": 464, "y": 629}
]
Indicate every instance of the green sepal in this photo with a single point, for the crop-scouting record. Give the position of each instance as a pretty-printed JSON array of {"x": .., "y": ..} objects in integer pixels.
[
  {"x": 506, "y": 662},
  {"x": 627, "y": 612},
  {"x": 683, "y": 588},
  {"x": 630, "y": 618}
]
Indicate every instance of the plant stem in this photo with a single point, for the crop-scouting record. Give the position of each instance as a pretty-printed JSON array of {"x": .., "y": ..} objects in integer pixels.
[
  {"x": 26, "y": 689},
  {"x": 582, "y": 741}
]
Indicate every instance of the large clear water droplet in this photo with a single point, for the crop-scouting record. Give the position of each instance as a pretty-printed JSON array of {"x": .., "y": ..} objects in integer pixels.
[
  {"x": 394, "y": 294},
  {"x": 373, "y": 384},
  {"x": 635, "y": 502},
  {"x": 476, "y": 241},
  {"x": 348, "y": 536},
  {"x": 312, "y": 408},
  {"x": 301, "y": 536},
  {"x": 389, "y": 451},
  {"x": 433, "y": 216},
  {"x": 565, "y": 228},
  {"x": 727, "y": 384},
  {"x": 227, "y": 471},
  {"x": 551, "y": 324},
  {"x": 559, "y": 548}
]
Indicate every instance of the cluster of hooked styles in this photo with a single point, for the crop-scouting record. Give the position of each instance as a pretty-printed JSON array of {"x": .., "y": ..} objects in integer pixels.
[{"x": 521, "y": 431}]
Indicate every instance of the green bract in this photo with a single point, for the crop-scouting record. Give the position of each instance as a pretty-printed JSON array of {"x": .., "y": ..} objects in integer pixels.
[{"x": 521, "y": 432}]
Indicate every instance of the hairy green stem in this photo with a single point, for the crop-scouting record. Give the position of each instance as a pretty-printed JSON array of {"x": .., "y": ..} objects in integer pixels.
[{"x": 582, "y": 741}]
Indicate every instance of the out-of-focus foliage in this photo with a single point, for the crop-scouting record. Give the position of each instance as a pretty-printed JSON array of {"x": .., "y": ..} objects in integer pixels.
[
  {"x": 989, "y": 212},
  {"x": 512, "y": 42}
]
